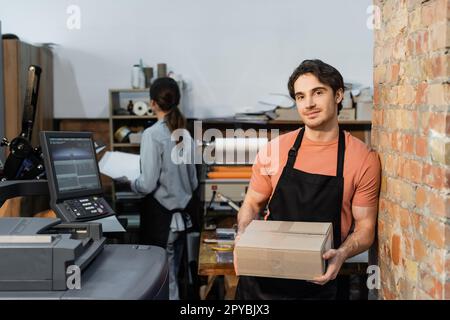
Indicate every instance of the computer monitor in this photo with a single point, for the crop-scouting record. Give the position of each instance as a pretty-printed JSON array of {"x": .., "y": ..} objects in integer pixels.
[
  {"x": 71, "y": 164},
  {"x": 73, "y": 176}
]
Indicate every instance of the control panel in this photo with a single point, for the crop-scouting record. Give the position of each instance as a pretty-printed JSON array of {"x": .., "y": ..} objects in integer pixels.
[{"x": 85, "y": 208}]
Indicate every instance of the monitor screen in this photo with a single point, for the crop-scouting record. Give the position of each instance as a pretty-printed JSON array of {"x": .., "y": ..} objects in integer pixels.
[{"x": 74, "y": 164}]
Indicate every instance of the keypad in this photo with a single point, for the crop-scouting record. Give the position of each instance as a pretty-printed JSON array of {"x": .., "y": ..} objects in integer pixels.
[{"x": 87, "y": 207}]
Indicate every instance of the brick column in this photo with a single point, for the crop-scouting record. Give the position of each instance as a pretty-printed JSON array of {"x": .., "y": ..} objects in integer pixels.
[{"x": 411, "y": 126}]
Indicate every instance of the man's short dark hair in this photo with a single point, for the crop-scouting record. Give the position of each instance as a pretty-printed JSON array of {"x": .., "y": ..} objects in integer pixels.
[{"x": 324, "y": 72}]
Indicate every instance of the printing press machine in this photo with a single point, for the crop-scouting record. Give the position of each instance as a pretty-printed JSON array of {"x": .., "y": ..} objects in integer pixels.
[
  {"x": 40, "y": 258},
  {"x": 67, "y": 258}
]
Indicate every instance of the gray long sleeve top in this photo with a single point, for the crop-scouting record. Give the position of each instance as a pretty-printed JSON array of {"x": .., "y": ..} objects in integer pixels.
[{"x": 171, "y": 183}]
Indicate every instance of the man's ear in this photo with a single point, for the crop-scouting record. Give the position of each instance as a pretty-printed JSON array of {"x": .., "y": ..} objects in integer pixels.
[{"x": 339, "y": 96}]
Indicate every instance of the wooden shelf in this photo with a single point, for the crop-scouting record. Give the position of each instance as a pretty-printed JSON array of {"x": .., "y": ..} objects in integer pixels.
[
  {"x": 128, "y": 90},
  {"x": 133, "y": 117},
  {"x": 346, "y": 122},
  {"x": 275, "y": 122},
  {"x": 119, "y": 98},
  {"x": 356, "y": 122}
]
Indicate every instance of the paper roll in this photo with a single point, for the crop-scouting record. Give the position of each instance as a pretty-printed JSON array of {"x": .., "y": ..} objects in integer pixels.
[
  {"x": 237, "y": 150},
  {"x": 121, "y": 134},
  {"x": 229, "y": 175},
  {"x": 150, "y": 111},
  {"x": 140, "y": 108},
  {"x": 231, "y": 169}
]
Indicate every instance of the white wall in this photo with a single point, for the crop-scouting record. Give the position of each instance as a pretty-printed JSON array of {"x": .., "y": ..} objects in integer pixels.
[{"x": 231, "y": 52}]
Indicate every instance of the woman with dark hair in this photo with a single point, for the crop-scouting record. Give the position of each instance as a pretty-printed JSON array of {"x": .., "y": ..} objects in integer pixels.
[{"x": 167, "y": 180}]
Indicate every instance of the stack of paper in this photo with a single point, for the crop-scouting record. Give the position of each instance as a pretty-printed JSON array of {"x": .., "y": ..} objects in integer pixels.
[{"x": 120, "y": 164}]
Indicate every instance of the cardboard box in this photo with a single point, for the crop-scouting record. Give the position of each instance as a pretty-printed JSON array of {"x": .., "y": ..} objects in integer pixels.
[{"x": 280, "y": 249}]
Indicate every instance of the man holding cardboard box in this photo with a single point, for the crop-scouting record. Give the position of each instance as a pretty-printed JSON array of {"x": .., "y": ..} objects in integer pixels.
[{"x": 319, "y": 174}]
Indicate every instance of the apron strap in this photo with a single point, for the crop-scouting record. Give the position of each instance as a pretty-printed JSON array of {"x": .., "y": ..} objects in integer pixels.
[
  {"x": 292, "y": 155},
  {"x": 341, "y": 154},
  {"x": 340, "y": 174},
  {"x": 293, "y": 152}
]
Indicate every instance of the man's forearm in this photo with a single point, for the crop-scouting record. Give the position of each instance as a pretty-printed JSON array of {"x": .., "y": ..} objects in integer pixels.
[
  {"x": 357, "y": 242},
  {"x": 246, "y": 214}
]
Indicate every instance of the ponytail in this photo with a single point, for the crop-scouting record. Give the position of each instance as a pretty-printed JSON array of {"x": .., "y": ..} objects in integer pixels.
[
  {"x": 166, "y": 93},
  {"x": 175, "y": 120}
]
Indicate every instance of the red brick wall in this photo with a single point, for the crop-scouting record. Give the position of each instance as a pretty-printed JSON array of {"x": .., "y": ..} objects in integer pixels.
[{"x": 411, "y": 126}]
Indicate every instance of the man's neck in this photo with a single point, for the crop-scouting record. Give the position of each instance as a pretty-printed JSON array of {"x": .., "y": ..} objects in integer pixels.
[{"x": 326, "y": 133}]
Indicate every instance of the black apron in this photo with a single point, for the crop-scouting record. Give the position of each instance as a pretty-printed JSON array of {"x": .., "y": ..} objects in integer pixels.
[
  {"x": 155, "y": 222},
  {"x": 301, "y": 196}
]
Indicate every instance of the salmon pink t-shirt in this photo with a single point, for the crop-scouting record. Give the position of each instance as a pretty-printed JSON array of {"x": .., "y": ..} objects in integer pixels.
[{"x": 361, "y": 169}]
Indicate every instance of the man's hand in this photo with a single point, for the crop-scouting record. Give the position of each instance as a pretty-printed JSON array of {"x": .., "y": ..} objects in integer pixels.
[
  {"x": 359, "y": 241},
  {"x": 336, "y": 259}
]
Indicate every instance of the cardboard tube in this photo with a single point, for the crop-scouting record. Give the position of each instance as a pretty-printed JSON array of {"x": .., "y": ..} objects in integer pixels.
[{"x": 229, "y": 175}]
